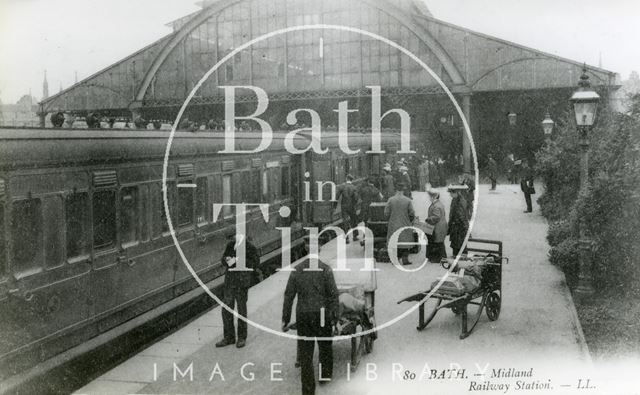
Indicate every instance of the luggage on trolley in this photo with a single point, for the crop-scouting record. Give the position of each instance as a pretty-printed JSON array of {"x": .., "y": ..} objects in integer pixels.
[
  {"x": 476, "y": 280},
  {"x": 356, "y": 318}
]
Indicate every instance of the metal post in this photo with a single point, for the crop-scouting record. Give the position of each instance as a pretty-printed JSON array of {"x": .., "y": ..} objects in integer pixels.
[
  {"x": 466, "y": 144},
  {"x": 585, "y": 280}
]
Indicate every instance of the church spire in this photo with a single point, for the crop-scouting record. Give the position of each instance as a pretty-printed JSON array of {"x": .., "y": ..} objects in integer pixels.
[
  {"x": 45, "y": 87},
  {"x": 600, "y": 60}
]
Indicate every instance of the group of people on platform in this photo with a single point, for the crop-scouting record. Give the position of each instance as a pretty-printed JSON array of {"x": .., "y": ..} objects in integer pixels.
[
  {"x": 316, "y": 291},
  {"x": 515, "y": 170}
]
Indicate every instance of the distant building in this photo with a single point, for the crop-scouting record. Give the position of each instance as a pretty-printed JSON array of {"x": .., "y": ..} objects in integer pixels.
[
  {"x": 630, "y": 87},
  {"x": 23, "y": 113}
]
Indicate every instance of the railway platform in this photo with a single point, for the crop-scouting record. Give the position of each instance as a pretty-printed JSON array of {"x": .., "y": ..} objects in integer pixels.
[{"x": 535, "y": 342}]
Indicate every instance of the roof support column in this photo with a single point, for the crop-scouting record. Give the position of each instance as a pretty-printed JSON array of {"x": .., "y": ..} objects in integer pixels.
[{"x": 466, "y": 142}]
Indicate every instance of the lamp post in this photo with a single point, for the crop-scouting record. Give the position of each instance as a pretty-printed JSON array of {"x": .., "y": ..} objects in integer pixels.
[
  {"x": 547, "y": 125},
  {"x": 512, "y": 119},
  {"x": 585, "y": 105}
]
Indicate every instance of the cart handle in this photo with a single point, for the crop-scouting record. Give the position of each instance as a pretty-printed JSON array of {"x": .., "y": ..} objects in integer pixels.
[{"x": 291, "y": 325}]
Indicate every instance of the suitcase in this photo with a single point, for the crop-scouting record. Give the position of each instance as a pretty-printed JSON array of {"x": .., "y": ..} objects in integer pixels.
[{"x": 376, "y": 211}]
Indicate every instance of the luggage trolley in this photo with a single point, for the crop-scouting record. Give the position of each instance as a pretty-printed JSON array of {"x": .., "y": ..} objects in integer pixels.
[
  {"x": 359, "y": 285},
  {"x": 486, "y": 295}
]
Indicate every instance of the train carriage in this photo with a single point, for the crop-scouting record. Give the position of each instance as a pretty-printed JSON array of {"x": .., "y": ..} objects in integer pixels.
[{"x": 85, "y": 248}]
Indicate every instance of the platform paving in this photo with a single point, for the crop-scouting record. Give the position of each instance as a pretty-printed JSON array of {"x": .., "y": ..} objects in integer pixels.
[{"x": 537, "y": 329}]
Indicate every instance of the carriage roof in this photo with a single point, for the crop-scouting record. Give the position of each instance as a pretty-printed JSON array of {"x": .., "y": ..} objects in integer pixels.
[{"x": 20, "y": 147}]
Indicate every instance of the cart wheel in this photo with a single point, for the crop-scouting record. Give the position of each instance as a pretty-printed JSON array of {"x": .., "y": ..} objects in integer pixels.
[{"x": 493, "y": 305}]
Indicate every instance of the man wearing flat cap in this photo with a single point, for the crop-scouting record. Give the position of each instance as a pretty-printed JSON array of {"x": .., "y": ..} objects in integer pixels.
[
  {"x": 348, "y": 197},
  {"x": 437, "y": 218},
  {"x": 458, "y": 217},
  {"x": 399, "y": 212},
  {"x": 388, "y": 182},
  {"x": 368, "y": 194}
]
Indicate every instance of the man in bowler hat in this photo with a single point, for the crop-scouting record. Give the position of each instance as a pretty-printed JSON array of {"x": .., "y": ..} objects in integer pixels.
[{"x": 236, "y": 288}]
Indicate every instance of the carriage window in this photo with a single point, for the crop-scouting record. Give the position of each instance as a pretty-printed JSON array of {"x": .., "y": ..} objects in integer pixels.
[
  {"x": 104, "y": 219},
  {"x": 158, "y": 219},
  {"x": 256, "y": 197},
  {"x": 226, "y": 194},
  {"x": 53, "y": 238},
  {"x": 185, "y": 206},
  {"x": 229, "y": 72},
  {"x": 143, "y": 192},
  {"x": 26, "y": 231},
  {"x": 160, "y": 224},
  {"x": 265, "y": 186},
  {"x": 77, "y": 218},
  {"x": 346, "y": 170},
  {"x": 274, "y": 180},
  {"x": 250, "y": 193},
  {"x": 3, "y": 256},
  {"x": 245, "y": 181},
  {"x": 201, "y": 200},
  {"x": 284, "y": 181},
  {"x": 129, "y": 215}
]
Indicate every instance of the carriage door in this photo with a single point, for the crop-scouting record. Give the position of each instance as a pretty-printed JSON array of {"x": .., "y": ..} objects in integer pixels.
[
  {"x": 204, "y": 245},
  {"x": 322, "y": 172},
  {"x": 106, "y": 254},
  {"x": 183, "y": 220},
  {"x": 140, "y": 272},
  {"x": 295, "y": 177}
]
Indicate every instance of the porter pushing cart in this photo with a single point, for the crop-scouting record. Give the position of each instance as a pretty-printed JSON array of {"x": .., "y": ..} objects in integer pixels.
[
  {"x": 357, "y": 290},
  {"x": 356, "y": 316}
]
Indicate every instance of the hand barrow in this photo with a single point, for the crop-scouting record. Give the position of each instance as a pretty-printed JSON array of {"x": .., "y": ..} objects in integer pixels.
[
  {"x": 487, "y": 296},
  {"x": 352, "y": 323}
]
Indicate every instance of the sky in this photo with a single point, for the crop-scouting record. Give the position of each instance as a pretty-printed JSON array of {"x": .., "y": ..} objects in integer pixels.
[{"x": 84, "y": 36}]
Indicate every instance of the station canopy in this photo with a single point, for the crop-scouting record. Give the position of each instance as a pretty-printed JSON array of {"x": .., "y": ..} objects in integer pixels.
[{"x": 315, "y": 63}]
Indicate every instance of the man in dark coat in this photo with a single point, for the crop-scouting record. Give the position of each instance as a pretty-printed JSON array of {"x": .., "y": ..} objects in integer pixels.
[
  {"x": 368, "y": 194},
  {"x": 526, "y": 186},
  {"x": 316, "y": 312},
  {"x": 388, "y": 183},
  {"x": 405, "y": 179},
  {"x": 399, "y": 212},
  {"x": 348, "y": 197},
  {"x": 236, "y": 289},
  {"x": 470, "y": 182},
  {"x": 436, "y": 217},
  {"x": 458, "y": 218},
  {"x": 492, "y": 170}
]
